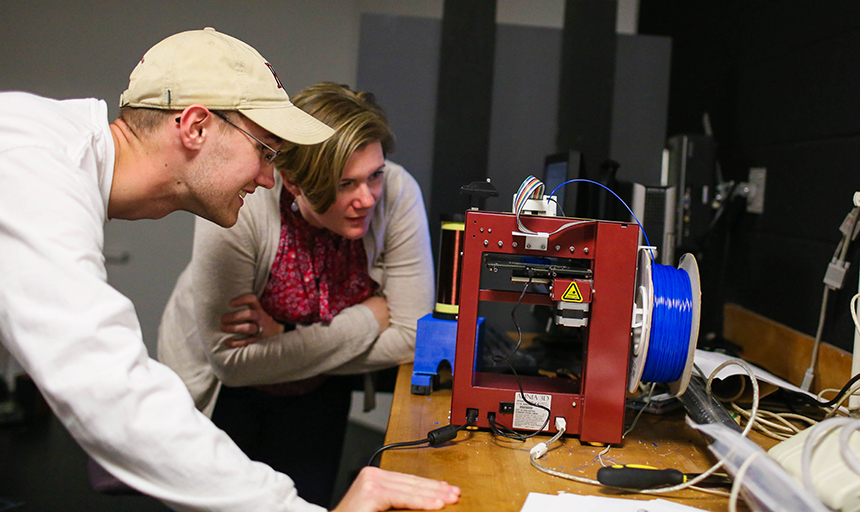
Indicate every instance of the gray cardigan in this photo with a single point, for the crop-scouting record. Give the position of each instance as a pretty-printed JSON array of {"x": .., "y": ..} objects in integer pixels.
[{"x": 229, "y": 262}]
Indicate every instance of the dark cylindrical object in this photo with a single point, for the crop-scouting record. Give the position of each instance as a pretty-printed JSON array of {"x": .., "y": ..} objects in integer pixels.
[{"x": 633, "y": 477}]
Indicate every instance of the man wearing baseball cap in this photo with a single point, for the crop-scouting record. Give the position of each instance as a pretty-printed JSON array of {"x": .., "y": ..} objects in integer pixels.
[{"x": 202, "y": 119}]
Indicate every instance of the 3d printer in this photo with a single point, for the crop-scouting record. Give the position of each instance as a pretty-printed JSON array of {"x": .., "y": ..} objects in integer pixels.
[{"x": 583, "y": 274}]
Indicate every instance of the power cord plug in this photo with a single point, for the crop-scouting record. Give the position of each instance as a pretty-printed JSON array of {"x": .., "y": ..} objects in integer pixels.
[{"x": 808, "y": 375}]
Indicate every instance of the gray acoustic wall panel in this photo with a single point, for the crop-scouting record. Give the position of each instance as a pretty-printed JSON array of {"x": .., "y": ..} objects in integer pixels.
[
  {"x": 639, "y": 106},
  {"x": 398, "y": 61},
  {"x": 525, "y": 105}
]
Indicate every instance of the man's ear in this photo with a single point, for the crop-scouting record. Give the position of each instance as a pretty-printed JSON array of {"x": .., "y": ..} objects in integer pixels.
[{"x": 195, "y": 122}]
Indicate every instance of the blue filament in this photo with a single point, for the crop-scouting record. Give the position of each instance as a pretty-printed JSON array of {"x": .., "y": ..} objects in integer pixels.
[{"x": 671, "y": 322}]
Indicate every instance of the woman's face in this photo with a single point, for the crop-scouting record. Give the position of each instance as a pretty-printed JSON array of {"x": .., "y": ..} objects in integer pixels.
[{"x": 359, "y": 188}]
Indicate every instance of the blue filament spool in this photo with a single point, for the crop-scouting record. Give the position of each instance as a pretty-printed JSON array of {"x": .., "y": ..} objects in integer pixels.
[
  {"x": 666, "y": 323},
  {"x": 671, "y": 323}
]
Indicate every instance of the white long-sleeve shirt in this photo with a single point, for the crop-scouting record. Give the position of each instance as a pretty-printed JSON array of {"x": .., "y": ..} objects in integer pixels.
[{"x": 79, "y": 338}]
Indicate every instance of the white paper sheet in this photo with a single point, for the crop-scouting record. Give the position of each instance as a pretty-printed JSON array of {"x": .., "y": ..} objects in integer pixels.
[
  {"x": 708, "y": 362},
  {"x": 537, "y": 502}
]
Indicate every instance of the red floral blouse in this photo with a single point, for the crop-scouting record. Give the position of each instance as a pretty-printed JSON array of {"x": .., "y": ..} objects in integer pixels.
[{"x": 316, "y": 274}]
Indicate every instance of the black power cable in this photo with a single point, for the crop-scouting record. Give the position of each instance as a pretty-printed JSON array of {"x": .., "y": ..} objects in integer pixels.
[
  {"x": 835, "y": 399},
  {"x": 434, "y": 437}
]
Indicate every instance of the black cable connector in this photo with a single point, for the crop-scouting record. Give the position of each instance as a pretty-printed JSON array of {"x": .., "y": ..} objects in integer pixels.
[
  {"x": 442, "y": 435},
  {"x": 434, "y": 437}
]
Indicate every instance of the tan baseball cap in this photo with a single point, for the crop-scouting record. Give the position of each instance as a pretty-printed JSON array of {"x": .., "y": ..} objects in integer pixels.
[{"x": 220, "y": 72}]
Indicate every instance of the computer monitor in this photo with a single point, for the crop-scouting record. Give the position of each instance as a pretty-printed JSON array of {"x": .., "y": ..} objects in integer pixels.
[{"x": 561, "y": 167}]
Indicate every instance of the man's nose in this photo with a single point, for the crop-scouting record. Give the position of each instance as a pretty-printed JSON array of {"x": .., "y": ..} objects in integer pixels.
[{"x": 266, "y": 176}]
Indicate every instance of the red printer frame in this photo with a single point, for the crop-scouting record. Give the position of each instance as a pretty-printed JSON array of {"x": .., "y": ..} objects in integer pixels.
[{"x": 594, "y": 411}]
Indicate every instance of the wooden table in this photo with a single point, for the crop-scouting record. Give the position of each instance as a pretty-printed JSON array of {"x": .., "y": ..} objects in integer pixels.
[{"x": 495, "y": 474}]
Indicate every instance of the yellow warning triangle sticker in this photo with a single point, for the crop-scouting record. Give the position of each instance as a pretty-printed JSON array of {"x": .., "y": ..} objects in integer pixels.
[{"x": 572, "y": 294}]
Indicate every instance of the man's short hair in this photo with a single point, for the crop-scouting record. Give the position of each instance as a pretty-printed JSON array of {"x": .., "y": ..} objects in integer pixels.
[{"x": 143, "y": 122}]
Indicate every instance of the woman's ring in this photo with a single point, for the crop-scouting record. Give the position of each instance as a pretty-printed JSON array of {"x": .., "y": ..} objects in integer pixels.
[{"x": 259, "y": 330}]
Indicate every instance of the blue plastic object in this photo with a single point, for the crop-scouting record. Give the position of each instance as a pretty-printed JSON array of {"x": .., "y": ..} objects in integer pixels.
[{"x": 435, "y": 341}]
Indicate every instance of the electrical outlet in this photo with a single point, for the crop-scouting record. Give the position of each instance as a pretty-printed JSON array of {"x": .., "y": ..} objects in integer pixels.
[{"x": 755, "y": 199}]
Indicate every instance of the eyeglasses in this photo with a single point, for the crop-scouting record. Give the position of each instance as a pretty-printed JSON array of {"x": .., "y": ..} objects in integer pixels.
[{"x": 269, "y": 156}]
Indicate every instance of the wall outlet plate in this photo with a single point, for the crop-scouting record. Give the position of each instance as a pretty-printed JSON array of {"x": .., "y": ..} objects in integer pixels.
[{"x": 755, "y": 200}]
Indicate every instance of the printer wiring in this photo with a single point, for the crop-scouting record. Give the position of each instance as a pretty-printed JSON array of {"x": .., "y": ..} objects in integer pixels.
[{"x": 496, "y": 427}]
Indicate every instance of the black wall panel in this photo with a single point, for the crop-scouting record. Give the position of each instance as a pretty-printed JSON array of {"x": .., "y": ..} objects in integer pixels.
[
  {"x": 801, "y": 94},
  {"x": 587, "y": 79},
  {"x": 781, "y": 81},
  {"x": 463, "y": 104}
]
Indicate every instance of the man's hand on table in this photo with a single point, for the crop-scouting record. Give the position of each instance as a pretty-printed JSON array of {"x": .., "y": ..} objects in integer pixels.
[{"x": 377, "y": 489}]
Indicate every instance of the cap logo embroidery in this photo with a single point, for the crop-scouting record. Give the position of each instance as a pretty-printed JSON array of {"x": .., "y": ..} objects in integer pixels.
[{"x": 280, "y": 86}]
